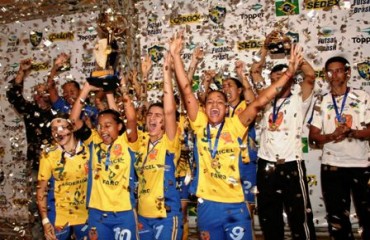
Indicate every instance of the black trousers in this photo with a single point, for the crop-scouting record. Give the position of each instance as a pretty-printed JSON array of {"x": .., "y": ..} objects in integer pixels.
[
  {"x": 338, "y": 184},
  {"x": 284, "y": 187}
]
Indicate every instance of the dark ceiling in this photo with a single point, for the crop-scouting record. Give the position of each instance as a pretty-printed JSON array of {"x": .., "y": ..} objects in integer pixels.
[{"x": 22, "y": 10}]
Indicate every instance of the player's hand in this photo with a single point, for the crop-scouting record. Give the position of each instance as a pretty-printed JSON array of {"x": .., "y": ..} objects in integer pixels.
[
  {"x": 177, "y": 43},
  {"x": 49, "y": 232}
]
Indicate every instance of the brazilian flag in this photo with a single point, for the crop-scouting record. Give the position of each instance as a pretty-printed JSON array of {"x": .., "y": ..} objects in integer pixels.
[{"x": 285, "y": 8}]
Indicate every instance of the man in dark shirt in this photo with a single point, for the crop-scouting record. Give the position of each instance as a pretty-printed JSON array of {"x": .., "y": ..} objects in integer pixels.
[{"x": 37, "y": 115}]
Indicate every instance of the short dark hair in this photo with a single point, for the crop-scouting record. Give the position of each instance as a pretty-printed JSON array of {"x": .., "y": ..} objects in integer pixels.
[
  {"x": 238, "y": 85},
  {"x": 337, "y": 59},
  {"x": 279, "y": 67},
  {"x": 237, "y": 82},
  {"x": 116, "y": 117},
  {"x": 156, "y": 104},
  {"x": 218, "y": 91},
  {"x": 75, "y": 83}
]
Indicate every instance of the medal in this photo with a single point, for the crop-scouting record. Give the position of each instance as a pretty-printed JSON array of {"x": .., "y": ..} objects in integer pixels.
[
  {"x": 275, "y": 113},
  {"x": 273, "y": 127},
  {"x": 341, "y": 118}
]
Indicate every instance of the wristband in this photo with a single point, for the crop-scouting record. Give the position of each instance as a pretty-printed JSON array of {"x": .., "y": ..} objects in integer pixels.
[{"x": 45, "y": 221}]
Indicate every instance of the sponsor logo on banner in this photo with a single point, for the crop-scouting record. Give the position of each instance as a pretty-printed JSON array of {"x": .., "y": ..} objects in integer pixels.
[
  {"x": 88, "y": 63},
  {"x": 35, "y": 38},
  {"x": 253, "y": 15},
  {"x": 62, "y": 36},
  {"x": 256, "y": 7},
  {"x": 156, "y": 53},
  {"x": 321, "y": 4},
  {"x": 250, "y": 44},
  {"x": 88, "y": 37},
  {"x": 363, "y": 39},
  {"x": 293, "y": 36},
  {"x": 284, "y": 8},
  {"x": 361, "y": 6},
  {"x": 13, "y": 43},
  {"x": 13, "y": 69},
  {"x": 153, "y": 27},
  {"x": 220, "y": 51},
  {"x": 326, "y": 40},
  {"x": 364, "y": 70},
  {"x": 185, "y": 19},
  {"x": 217, "y": 14}
]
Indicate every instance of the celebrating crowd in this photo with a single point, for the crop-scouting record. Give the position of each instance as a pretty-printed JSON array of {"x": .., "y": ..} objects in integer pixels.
[{"x": 111, "y": 169}]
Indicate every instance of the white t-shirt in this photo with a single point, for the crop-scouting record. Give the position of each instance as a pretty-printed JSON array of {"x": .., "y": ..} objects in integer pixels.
[
  {"x": 284, "y": 143},
  {"x": 349, "y": 152}
]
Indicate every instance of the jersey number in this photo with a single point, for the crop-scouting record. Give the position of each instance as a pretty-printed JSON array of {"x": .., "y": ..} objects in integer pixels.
[
  {"x": 237, "y": 233},
  {"x": 158, "y": 231},
  {"x": 124, "y": 234}
]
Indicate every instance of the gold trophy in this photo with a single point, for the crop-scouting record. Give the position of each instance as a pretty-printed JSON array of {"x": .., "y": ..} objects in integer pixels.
[
  {"x": 279, "y": 43},
  {"x": 112, "y": 26}
]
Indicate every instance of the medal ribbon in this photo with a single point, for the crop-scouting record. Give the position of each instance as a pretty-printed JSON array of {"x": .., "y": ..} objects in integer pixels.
[
  {"x": 337, "y": 113},
  {"x": 107, "y": 160},
  {"x": 214, "y": 149},
  {"x": 233, "y": 109},
  {"x": 275, "y": 110}
]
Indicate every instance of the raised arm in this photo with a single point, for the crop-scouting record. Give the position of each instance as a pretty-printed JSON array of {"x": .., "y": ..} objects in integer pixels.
[
  {"x": 248, "y": 115},
  {"x": 52, "y": 89},
  {"x": 308, "y": 83},
  {"x": 247, "y": 88},
  {"x": 24, "y": 69},
  {"x": 190, "y": 101},
  {"x": 169, "y": 103},
  {"x": 259, "y": 63},
  {"x": 146, "y": 66},
  {"x": 207, "y": 78},
  {"x": 196, "y": 58},
  {"x": 130, "y": 112},
  {"x": 15, "y": 90},
  {"x": 132, "y": 77},
  {"x": 79, "y": 104}
]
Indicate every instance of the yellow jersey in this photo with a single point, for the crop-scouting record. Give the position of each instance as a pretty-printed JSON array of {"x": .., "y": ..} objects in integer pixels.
[
  {"x": 68, "y": 174},
  {"x": 155, "y": 167},
  {"x": 217, "y": 153},
  {"x": 111, "y": 174}
]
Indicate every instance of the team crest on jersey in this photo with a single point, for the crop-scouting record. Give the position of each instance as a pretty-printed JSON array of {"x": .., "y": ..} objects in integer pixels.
[
  {"x": 364, "y": 70},
  {"x": 153, "y": 154},
  {"x": 227, "y": 137},
  {"x": 117, "y": 149},
  {"x": 156, "y": 53},
  {"x": 35, "y": 38},
  {"x": 217, "y": 14}
]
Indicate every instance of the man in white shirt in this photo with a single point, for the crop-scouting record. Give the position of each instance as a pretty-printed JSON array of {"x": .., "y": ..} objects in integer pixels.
[{"x": 341, "y": 125}]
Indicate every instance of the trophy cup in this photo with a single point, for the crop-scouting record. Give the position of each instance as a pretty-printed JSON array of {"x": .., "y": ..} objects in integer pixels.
[
  {"x": 280, "y": 44},
  {"x": 106, "y": 52}
]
